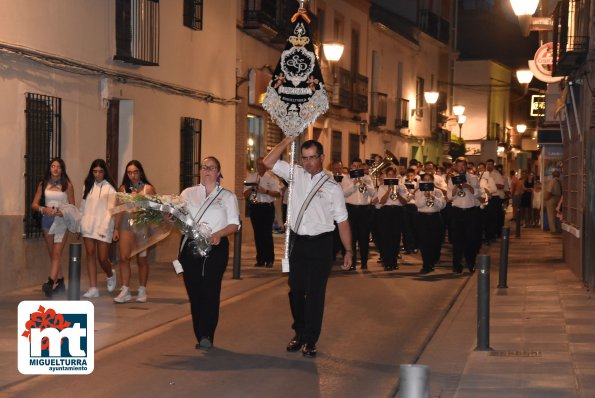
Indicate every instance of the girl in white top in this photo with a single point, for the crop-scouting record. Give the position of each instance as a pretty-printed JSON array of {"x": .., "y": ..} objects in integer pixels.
[
  {"x": 54, "y": 191},
  {"x": 97, "y": 224},
  {"x": 208, "y": 202},
  {"x": 134, "y": 182}
]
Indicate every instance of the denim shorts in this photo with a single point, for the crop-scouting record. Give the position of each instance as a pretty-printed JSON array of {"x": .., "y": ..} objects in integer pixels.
[{"x": 47, "y": 221}]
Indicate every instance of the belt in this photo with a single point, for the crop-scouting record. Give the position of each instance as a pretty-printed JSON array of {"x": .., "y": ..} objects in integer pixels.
[
  {"x": 428, "y": 213},
  {"x": 262, "y": 203},
  {"x": 311, "y": 237},
  {"x": 464, "y": 209}
]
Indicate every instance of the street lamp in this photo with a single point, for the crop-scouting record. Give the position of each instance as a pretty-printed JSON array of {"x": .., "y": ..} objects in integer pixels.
[
  {"x": 521, "y": 128},
  {"x": 333, "y": 52},
  {"x": 460, "y": 120},
  {"x": 524, "y": 10},
  {"x": 431, "y": 97},
  {"x": 458, "y": 110},
  {"x": 524, "y": 76}
]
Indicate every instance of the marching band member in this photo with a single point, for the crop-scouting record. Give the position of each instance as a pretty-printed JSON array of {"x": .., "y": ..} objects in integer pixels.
[
  {"x": 429, "y": 221},
  {"x": 262, "y": 212},
  {"x": 464, "y": 190},
  {"x": 410, "y": 239},
  {"x": 391, "y": 220},
  {"x": 358, "y": 193},
  {"x": 208, "y": 202},
  {"x": 317, "y": 203}
]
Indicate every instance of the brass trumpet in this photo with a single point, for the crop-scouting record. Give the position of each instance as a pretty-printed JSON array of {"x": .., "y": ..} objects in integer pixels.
[
  {"x": 362, "y": 185},
  {"x": 393, "y": 192},
  {"x": 461, "y": 191},
  {"x": 429, "y": 199}
]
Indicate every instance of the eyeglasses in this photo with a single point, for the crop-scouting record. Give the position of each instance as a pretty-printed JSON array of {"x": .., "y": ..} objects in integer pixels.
[
  {"x": 308, "y": 158},
  {"x": 98, "y": 171},
  {"x": 130, "y": 172},
  {"x": 204, "y": 167}
]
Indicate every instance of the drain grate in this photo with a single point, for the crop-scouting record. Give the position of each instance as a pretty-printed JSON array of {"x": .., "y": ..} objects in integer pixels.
[{"x": 524, "y": 354}]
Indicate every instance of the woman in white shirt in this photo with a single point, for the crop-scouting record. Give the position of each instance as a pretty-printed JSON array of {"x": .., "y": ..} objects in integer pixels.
[
  {"x": 97, "y": 224},
  {"x": 208, "y": 203},
  {"x": 53, "y": 192}
]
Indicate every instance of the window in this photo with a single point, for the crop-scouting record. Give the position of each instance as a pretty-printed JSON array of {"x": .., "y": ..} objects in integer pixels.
[
  {"x": 193, "y": 14},
  {"x": 353, "y": 147},
  {"x": 336, "y": 145},
  {"x": 190, "y": 152},
  {"x": 402, "y": 119},
  {"x": 419, "y": 97},
  {"x": 43, "y": 120},
  {"x": 255, "y": 140},
  {"x": 137, "y": 32}
]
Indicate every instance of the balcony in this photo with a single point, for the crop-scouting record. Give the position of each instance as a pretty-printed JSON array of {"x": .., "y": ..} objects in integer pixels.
[
  {"x": 571, "y": 40},
  {"x": 267, "y": 20},
  {"x": 342, "y": 93},
  {"x": 378, "y": 109},
  {"x": 360, "y": 93},
  {"x": 433, "y": 25},
  {"x": 402, "y": 119}
]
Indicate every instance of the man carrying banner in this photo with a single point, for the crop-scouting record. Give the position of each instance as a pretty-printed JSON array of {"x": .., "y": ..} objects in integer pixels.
[{"x": 317, "y": 202}]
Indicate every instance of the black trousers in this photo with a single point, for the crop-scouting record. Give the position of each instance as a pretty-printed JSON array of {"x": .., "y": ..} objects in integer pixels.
[
  {"x": 430, "y": 228},
  {"x": 310, "y": 264},
  {"x": 410, "y": 239},
  {"x": 446, "y": 216},
  {"x": 262, "y": 216},
  {"x": 494, "y": 214},
  {"x": 360, "y": 221},
  {"x": 337, "y": 244},
  {"x": 391, "y": 222},
  {"x": 202, "y": 278},
  {"x": 466, "y": 239}
]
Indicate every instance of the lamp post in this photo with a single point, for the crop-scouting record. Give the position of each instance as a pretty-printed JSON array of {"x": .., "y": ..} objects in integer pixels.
[
  {"x": 461, "y": 119},
  {"x": 524, "y": 10},
  {"x": 333, "y": 52}
]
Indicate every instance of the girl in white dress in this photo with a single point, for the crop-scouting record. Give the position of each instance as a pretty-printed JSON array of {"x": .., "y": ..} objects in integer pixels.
[{"x": 53, "y": 191}]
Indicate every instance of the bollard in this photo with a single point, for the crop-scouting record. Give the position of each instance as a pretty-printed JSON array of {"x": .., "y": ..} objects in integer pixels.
[
  {"x": 74, "y": 272},
  {"x": 414, "y": 381},
  {"x": 518, "y": 223},
  {"x": 504, "y": 258},
  {"x": 237, "y": 253},
  {"x": 483, "y": 303}
]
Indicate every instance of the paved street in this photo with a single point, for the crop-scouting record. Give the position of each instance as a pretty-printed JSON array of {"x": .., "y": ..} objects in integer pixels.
[{"x": 374, "y": 321}]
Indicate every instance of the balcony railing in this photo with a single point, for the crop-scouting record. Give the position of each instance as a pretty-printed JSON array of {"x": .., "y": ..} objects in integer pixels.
[
  {"x": 267, "y": 19},
  {"x": 433, "y": 25},
  {"x": 378, "y": 109},
  {"x": 571, "y": 42},
  {"x": 137, "y": 32},
  {"x": 360, "y": 93},
  {"x": 402, "y": 119},
  {"x": 342, "y": 93}
]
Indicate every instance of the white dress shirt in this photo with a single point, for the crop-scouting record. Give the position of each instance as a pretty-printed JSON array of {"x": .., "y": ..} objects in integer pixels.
[
  {"x": 327, "y": 205},
  {"x": 405, "y": 190},
  {"x": 223, "y": 211},
  {"x": 267, "y": 181},
  {"x": 351, "y": 190},
  {"x": 470, "y": 199},
  {"x": 439, "y": 201},
  {"x": 389, "y": 202}
]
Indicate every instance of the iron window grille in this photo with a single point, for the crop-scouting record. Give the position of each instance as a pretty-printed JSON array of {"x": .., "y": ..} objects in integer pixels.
[
  {"x": 137, "y": 32},
  {"x": 378, "y": 109},
  {"x": 43, "y": 124},
  {"x": 193, "y": 14},
  {"x": 419, "y": 97},
  {"x": 402, "y": 119},
  {"x": 190, "y": 152}
]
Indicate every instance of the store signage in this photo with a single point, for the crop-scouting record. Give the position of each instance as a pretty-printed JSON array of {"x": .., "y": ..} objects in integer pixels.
[{"x": 537, "y": 105}]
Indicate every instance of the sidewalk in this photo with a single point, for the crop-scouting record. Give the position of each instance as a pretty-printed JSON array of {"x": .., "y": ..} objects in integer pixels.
[
  {"x": 118, "y": 322},
  {"x": 542, "y": 330}
]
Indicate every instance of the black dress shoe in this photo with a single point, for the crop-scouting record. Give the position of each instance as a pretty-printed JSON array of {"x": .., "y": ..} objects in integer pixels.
[
  {"x": 205, "y": 343},
  {"x": 259, "y": 264},
  {"x": 352, "y": 268},
  {"x": 471, "y": 268},
  {"x": 268, "y": 264},
  {"x": 309, "y": 350},
  {"x": 294, "y": 345},
  {"x": 364, "y": 266}
]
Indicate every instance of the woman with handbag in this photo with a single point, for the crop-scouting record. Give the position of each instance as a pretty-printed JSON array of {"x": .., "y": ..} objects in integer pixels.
[
  {"x": 53, "y": 192},
  {"x": 216, "y": 207}
]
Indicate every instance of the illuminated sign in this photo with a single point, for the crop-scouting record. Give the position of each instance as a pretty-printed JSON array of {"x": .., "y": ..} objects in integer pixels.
[{"x": 537, "y": 105}]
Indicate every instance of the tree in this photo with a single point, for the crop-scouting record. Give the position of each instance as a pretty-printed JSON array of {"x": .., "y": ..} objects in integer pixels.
[{"x": 457, "y": 147}]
